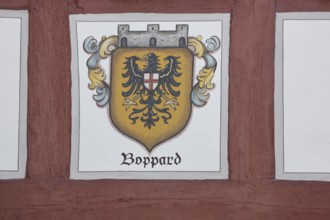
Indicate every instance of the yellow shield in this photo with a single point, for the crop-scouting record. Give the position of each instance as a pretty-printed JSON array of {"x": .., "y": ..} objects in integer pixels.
[{"x": 142, "y": 105}]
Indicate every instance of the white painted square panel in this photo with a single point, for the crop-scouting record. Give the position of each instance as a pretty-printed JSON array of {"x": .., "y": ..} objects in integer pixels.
[
  {"x": 13, "y": 93},
  {"x": 110, "y": 138},
  {"x": 302, "y": 107}
]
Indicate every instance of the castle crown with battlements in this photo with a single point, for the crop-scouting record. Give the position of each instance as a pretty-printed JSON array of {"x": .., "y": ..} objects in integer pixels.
[{"x": 153, "y": 37}]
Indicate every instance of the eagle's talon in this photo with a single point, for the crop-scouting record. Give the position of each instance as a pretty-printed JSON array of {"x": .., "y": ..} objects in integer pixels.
[
  {"x": 127, "y": 103},
  {"x": 172, "y": 102}
]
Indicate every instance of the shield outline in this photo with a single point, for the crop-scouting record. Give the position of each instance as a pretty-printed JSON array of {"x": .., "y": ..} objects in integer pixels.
[{"x": 189, "y": 107}]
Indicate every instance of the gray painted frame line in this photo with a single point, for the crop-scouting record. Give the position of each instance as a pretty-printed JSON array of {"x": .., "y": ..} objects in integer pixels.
[
  {"x": 19, "y": 104},
  {"x": 131, "y": 17},
  {"x": 23, "y": 92},
  {"x": 279, "y": 97}
]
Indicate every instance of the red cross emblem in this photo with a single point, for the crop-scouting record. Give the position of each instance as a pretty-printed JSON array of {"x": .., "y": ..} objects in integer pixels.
[{"x": 151, "y": 80}]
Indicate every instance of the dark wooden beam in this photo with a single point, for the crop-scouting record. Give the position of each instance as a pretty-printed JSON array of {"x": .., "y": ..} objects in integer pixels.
[
  {"x": 14, "y": 4},
  {"x": 168, "y": 6},
  {"x": 251, "y": 83},
  {"x": 49, "y": 106},
  {"x": 302, "y": 5},
  {"x": 57, "y": 198}
]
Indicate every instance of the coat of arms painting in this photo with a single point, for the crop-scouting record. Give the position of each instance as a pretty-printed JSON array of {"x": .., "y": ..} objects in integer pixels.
[{"x": 149, "y": 96}]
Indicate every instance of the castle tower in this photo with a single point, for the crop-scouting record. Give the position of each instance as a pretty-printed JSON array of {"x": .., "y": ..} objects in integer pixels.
[{"x": 153, "y": 37}]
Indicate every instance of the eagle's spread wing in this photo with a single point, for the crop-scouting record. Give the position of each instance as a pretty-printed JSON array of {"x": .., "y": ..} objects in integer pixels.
[
  {"x": 134, "y": 77},
  {"x": 168, "y": 74}
]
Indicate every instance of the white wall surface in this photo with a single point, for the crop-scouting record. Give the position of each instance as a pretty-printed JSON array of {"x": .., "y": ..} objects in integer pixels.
[
  {"x": 13, "y": 93},
  {"x": 303, "y": 96}
]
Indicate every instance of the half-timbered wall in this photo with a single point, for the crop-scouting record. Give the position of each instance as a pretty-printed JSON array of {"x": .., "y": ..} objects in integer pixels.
[{"x": 251, "y": 191}]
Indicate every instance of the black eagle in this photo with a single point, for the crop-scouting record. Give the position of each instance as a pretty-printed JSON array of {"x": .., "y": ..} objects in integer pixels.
[{"x": 148, "y": 98}]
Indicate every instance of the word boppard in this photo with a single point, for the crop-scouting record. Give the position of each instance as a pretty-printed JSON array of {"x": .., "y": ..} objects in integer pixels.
[{"x": 129, "y": 159}]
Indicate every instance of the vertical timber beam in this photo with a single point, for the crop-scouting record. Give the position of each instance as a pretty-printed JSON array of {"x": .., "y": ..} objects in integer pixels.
[
  {"x": 49, "y": 118},
  {"x": 251, "y": 117}
]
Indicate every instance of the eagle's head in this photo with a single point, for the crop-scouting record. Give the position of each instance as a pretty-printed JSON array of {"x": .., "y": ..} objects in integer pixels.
[
  {"x": 133, "y": 58},
  {"x": 151, "y": 61},
  {"x": 150, "y": 57},
  {"x": 168, "y": 58}
]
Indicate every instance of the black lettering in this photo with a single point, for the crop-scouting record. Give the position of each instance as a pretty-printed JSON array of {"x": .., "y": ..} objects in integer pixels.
[
  {"x": 154, "y": 161},
  {"x": 162, "y": 160},
  {"x": 177, "y": 160},
  {"x": 138, "y": 160},
  {"x": 129, "y": 159},
  {"x": 169, "y": 160},
  {"x": 146, "y": 161},
  {"x": 128, "y": 156}
]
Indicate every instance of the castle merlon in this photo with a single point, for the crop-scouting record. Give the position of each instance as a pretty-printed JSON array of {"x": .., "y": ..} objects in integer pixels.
[{"x": 153, "y": 37}]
